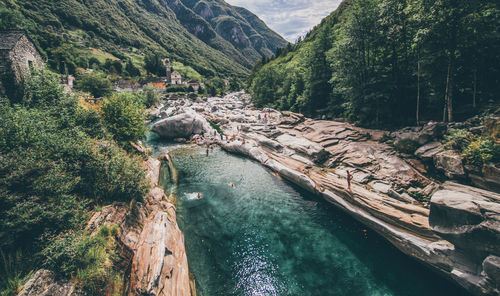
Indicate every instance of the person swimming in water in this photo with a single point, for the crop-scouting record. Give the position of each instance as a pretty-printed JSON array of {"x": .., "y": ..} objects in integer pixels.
[
  {"x": 232, "y": 185},
  {"x": 199, "y": 195}
]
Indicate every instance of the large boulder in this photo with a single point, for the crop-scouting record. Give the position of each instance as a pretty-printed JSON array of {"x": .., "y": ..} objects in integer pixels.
[
  {"x": 488, "y": 179},
  {"x": 182, "y": 126},
  {"x": 450, "y": 163},
  {"x": 428, "y": 151},
  {"x": 468, "y": 217},
  {"x": 420, "y": 135}
]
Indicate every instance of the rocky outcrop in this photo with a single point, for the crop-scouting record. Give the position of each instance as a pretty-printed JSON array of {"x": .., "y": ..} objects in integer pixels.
[
  {"x": 159, "y": 265},
  {"x": 450, "y": 163},
  {"x": 420, "y": 135},
  {"x": 182, "y": 126},
  {"x": 428, "y": 151},
  {"x": 469, "y": 218},
  {"x": 388, "y": 193},
  {"x": 488, "y": 178},
  {"x": 304, "y": 147},
  {"x": 43, "y": 283}
]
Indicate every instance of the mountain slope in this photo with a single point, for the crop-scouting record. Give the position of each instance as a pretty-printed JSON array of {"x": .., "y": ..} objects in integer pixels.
[
  {"x": 136, "y": 26},
  {"x": 244, "y": 30},
  {"x": 389, "y": 63}
]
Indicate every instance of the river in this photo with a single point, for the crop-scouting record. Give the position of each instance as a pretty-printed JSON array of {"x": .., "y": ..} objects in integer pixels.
[{"x": 264, "y": 236}]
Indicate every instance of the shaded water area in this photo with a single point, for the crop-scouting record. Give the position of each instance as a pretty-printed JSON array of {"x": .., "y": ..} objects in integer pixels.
[{"x": 265, "y": 236}]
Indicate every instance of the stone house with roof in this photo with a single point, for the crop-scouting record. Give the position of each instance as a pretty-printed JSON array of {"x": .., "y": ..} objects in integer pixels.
[
  {"x": 18, "y": 56},
  {"x": 176, "y": 78}
]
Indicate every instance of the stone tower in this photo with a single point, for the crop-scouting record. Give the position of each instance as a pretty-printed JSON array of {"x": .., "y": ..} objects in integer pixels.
[{"x": 168, "y": 71}]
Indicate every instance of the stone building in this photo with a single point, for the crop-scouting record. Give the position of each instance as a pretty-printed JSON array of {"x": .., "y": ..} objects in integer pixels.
[
  {"x": 172, "y": 78},
  {"x": 194, "y": 84},
  {"x": 176, "y": 78},
  {"x": 18, "y": 56}
]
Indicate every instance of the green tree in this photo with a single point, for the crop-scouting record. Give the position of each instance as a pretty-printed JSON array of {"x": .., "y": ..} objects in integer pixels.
[
  {"x": 235, "y": 84},
  {"x": 154, "y": 64},
  {"x": 131, "y": 69},
  {"x": 151, "y": 96},
  {"x": 94, "y": 83},
  {"x": 125, "y": 116}
]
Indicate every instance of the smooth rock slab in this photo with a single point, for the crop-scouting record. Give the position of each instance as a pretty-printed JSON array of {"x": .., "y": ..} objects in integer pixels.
[
  {"x": 303, "y": 146},
  {"x": 159, "y": 266}
]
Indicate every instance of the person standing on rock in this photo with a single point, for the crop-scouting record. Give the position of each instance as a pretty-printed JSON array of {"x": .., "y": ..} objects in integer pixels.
[{"x": 349, "y": 178}]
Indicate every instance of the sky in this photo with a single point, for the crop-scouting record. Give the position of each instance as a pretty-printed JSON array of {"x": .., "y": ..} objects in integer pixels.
[{"x": 290, "y": 18}]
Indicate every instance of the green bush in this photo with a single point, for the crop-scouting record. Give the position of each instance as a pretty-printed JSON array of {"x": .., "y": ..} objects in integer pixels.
[
  {"x": 458, "y": 139},
  {"x": 482, "y": 150},
  {"x": 94, "y": 83},
  {"x": 406, "y": 146},
  {"x": 54, "y": 162},
  {"x": 124, "y": 114},
  {"x": 177, "y": 89},
  {"x": 151, "y": 96},
  {"x": 13, "y": 273},
  {"x": 87, "y": 258}
]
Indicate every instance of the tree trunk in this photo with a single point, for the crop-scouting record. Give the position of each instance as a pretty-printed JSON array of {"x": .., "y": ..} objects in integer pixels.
[
  {"x": 446, "y": 93},
  {"x": 451, "y": 87},
  {"x": 418, "y": 86},
  {"x": 474, "y": 89}
]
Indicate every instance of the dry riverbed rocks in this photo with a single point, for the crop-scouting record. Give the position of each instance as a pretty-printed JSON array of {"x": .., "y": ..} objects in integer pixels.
[{"x": 390, "y": 193}]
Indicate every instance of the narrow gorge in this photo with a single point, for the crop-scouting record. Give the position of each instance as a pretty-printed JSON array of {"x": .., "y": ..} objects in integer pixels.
[{"x": 457, "y": 238}]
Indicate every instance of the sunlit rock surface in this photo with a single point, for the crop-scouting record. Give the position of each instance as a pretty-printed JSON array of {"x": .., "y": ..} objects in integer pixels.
[{"x": 388, "y": 193}]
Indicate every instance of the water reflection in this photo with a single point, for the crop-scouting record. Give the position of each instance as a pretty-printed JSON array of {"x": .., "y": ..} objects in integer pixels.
[{"x": 265, "y": 237}]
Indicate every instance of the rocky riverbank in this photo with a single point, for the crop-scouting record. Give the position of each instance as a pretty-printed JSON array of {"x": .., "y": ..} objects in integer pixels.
[
  {"x": 452, "y": 228},
  {"x": 151, "y": 247}
]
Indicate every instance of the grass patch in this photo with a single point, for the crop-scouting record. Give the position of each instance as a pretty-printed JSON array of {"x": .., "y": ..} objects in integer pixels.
[
  {"x": 216, "y": 127},
  {"x": 89, "y": 259}
]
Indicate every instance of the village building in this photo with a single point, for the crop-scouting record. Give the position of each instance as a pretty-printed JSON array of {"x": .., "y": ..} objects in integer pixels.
[
  {"x": 194, "y": 84},
  {"x": 172, "y": 78},
  {"x": 18, "y": 56},
  {"x": 176, "y": 78},
  {"x": 168, "y": 70}
]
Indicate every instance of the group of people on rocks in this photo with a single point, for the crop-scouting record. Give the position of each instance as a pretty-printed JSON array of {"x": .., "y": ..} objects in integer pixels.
[{"x": 265, "y": 119}]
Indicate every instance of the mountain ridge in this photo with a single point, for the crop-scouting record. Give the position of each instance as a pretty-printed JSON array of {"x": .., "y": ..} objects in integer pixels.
[{"x": 168, "y": 27}]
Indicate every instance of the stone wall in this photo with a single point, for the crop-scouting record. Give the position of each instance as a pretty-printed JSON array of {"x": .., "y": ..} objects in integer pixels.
[{"x": 24, "y": 53}]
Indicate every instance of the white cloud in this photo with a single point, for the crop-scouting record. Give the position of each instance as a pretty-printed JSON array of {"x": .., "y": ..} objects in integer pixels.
[{"x": 290, "y": 18}]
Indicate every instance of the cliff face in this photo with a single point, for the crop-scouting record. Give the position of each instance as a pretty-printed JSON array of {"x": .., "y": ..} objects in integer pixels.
[{"x": 233, "y": 30}]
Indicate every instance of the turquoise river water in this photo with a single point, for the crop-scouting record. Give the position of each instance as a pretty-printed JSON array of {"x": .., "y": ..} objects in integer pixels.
[{"x": 265, "y": 236}]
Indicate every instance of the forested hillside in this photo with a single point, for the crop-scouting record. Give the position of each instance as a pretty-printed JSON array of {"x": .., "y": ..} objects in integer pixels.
[
  {"x": 69, "y": 33},
  {"x": 390, "y": 62}
]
